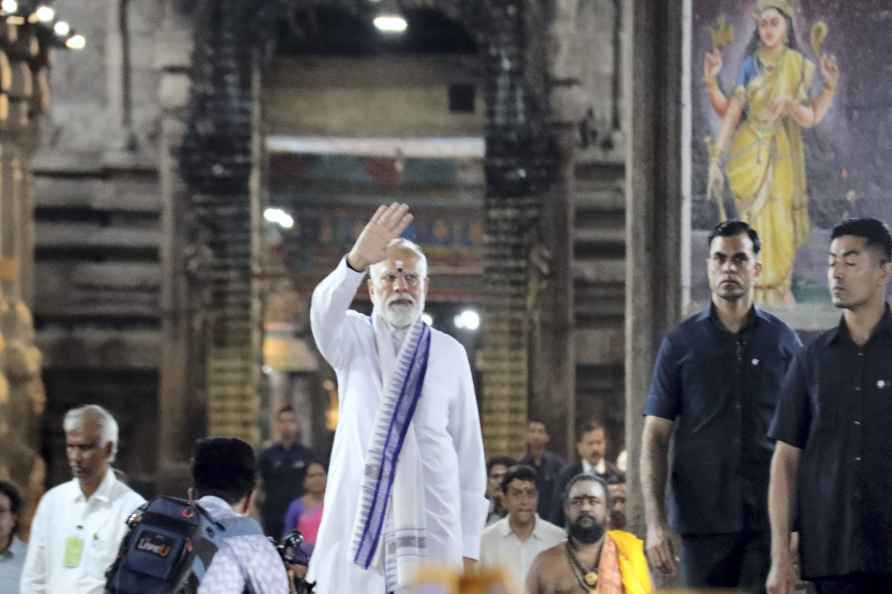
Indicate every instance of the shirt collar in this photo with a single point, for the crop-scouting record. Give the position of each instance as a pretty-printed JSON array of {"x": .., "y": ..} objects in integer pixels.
[
  {"x": 840, "y": 331},
  {"x": 753, "y": 316},
  {"x": 530, "y": 460},
  {"x": 538, "y": 527},
  {"x": 599, "y": 468},
  {"x": 759, "y": 314},
  {"x": 215, "y": 505},
  {"x": 883, "y": 327},
  {"x": 505, "y": 529},
  {"x": 103, "y": 493}
]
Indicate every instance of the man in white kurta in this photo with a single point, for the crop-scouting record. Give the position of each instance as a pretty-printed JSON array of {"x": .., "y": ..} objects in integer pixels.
[{"x": 446, "y": 421}]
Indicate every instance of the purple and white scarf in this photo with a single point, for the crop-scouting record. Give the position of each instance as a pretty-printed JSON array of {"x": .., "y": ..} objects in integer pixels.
[{"x": 389, "y": 531}]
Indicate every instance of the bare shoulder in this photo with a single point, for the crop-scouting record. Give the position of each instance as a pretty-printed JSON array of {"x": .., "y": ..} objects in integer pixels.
[
  {"x": 548, "y": 561},
  {"x": 549, "y": 573},
  {"x": 555, "y": 552}
]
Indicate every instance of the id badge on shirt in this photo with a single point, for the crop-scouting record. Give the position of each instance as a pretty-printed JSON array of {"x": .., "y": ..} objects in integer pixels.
[{"x": 74, "y": 550}]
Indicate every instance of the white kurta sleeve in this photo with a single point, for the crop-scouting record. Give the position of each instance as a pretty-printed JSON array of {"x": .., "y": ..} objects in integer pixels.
[
  {"x": 34, "y": 573},
  {"x": 464, "y": 427},
  {"x": 328, "y": 313}
]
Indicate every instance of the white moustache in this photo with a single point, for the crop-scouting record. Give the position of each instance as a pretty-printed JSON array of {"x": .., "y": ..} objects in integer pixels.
[{"x": 394, "y": 298}]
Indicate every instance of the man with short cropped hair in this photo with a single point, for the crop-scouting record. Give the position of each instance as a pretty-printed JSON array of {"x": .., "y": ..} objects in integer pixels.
[
  {"x": 514, "y": 541},
  {"x": 548, "y": 465},
  {"x": 79, "y": 525},
  {"x": 716, "y": 382},
  {"x": 283, "y": 467},
  {"x": 831, "y": 472},
  {"x": 224, "y": 473}
]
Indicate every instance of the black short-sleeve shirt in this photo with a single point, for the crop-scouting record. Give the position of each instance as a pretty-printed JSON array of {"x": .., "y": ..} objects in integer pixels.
[
  {"x": 282, "y": 470},
  {"x": 720, "y": 389},
  {"x": 548, "y": 470},
  {"x": 837, "y": 408}
]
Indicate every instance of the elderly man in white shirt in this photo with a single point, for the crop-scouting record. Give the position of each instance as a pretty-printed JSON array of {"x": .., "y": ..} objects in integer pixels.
[
  {"x": 513, "y": 542},
  {"x": 79, "y": 525},
  {"x": 407, "y": 475}
]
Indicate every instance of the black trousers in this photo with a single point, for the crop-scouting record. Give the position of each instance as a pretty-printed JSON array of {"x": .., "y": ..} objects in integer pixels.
[
  {"x": 738, "y": 560},
  {"x": 856, "y": 583}
]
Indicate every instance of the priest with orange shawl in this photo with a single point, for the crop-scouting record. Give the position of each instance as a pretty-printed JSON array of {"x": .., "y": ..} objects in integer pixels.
[{"x": 590, "y": 561}]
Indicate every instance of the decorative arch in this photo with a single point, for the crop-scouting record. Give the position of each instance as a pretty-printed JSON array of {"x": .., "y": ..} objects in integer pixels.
[{"x": 216, "y": 160}]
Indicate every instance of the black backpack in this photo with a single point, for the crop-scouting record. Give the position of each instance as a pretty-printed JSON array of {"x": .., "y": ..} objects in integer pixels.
[{"x": 169, "y": 547}]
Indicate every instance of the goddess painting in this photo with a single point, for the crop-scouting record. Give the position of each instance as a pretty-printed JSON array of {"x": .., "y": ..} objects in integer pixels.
[{"x": 761, "y": 132}]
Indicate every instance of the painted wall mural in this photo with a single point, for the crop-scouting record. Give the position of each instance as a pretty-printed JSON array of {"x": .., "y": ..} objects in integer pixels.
[{"x": 791, "y": 131}]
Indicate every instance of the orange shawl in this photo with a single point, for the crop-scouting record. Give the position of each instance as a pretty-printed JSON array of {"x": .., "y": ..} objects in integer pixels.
[{"x": 623, "y": 566}]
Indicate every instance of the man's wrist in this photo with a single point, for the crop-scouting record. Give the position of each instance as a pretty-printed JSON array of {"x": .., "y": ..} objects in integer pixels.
[
  {"x": 781, "y": 553},
  {"x": 355, "y": 266},
  {"x": 656, "y": 519}
]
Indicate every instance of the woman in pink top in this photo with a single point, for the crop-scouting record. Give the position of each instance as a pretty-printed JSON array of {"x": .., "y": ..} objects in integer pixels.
[{"x": 305, "y": 513}]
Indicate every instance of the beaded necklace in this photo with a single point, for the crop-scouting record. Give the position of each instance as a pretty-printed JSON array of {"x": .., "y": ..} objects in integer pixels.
[{"x": 586, "y": 578}]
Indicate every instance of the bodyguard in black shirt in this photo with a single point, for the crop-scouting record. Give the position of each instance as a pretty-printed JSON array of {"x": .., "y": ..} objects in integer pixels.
[
  {"x": 715, "y": 387},
  {"x": 283, "y": 467},
  {"x": 547, "y": 464},
  {"x": 833, "y": 427}
]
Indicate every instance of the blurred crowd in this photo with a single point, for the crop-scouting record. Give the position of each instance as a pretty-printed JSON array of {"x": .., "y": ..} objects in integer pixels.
[{"x": 526, "y": 495}]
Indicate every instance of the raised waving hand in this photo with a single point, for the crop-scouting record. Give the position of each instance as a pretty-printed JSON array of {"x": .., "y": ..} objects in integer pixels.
[{"x": 386, "y": 224}]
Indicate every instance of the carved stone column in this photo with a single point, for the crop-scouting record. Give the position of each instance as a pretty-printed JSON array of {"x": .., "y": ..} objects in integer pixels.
[
  {"x": 657, "y": 210},
  {"x": 220, "y": 153},
  {"x": 520, "y": 169},
  {"x": 24, "y": 98},
  {"x": 180, "y": 405}
]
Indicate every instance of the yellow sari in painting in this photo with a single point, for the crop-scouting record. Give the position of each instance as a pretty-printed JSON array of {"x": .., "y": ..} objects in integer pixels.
[{"x": 766, "y": 168}]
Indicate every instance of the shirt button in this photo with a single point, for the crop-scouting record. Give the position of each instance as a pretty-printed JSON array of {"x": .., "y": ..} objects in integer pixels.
[
  {"x": 857, "y": 458},
  {"x": 860, "y": 354},
  {"x": 857, "y": 388},
  {"x": 857, "y": 422}
]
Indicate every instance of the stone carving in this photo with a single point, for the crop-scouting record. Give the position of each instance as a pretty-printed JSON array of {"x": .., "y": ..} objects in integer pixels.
[{"x": 22, "y": 401}]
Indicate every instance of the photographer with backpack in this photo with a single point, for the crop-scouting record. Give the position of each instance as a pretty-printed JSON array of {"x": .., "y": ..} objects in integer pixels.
[
  {"x": 224, "y": 473},
  {"x": 208, "y": 546}
]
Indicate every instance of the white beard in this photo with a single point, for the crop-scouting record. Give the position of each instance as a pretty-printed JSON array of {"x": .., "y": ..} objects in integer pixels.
[{"x": 399, "y": 316}]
